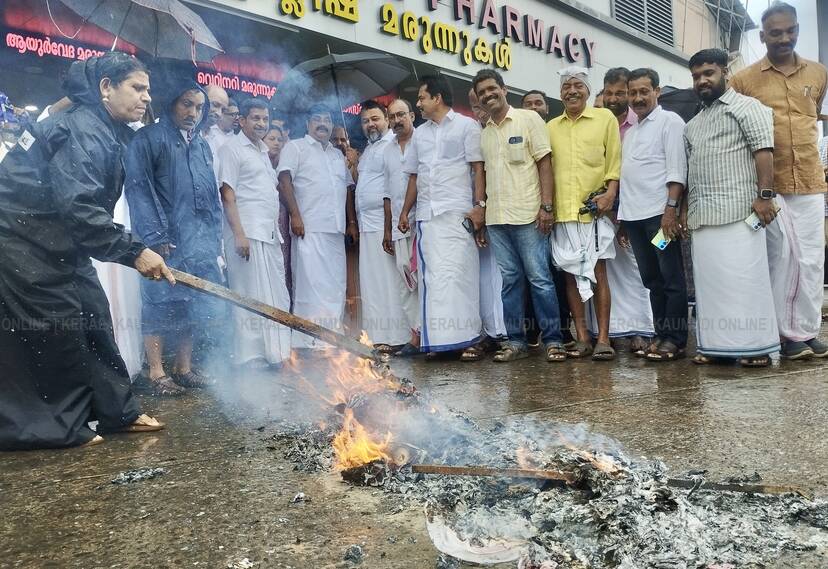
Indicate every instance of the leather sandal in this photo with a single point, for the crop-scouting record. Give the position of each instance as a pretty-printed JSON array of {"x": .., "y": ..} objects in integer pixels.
[
  {"x": 667, "y": 351},
  {"x": 165, "y": 387},
  {"x": 472, "y": 354},
  {"x": 579, "y": 350},
  {"x": 603, "y": 352},
  {"x": 191, "y": 379},
  {"x": 509, "y": 354},
  {"x": 555, "y": 353}
]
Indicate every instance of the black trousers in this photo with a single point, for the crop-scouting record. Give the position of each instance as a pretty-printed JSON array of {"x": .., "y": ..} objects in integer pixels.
[
  {"x": 55, "y": 380},
  {"x": 663, "y": 274}
]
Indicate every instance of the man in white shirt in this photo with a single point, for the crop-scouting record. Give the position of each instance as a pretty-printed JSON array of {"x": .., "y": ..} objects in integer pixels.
[
  {"x": 223, "y": 130},
  {"x": 255, "y": 266},
  {"x": 653, "y": 175},
  {"x": 382, "y": 316},
  {"x": 401, "y": 118},
  {"x": 445, "y": 157},
  {"x": 313, "y": 183}
]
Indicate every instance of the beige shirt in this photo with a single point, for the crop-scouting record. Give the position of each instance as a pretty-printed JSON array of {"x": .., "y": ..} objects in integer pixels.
[
  {"x": 796, "y": 100},
  {"x": 511, "y": 150}
]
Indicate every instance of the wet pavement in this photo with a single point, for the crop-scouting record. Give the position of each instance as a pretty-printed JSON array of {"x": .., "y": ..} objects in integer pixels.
[{"x": 226, "y": 497}]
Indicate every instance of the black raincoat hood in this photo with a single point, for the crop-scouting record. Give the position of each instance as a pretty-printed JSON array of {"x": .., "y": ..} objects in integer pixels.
[
  {"x": 173, "y": 91},
  {"x": 81, "y": 83}
]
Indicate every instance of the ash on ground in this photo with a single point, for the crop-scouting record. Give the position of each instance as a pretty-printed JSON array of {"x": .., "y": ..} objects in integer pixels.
[
  {"x": 137, "y": 475},
  {"x": 621, "y": 513}
]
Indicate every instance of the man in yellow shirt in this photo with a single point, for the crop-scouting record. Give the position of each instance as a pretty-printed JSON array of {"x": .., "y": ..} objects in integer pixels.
[
  {"x": 519, "y": 215},
  {"x": 586, "y": 150}
]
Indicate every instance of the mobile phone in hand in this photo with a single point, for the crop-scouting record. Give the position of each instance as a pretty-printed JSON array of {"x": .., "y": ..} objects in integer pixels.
[{"x": 469, "y": 225}]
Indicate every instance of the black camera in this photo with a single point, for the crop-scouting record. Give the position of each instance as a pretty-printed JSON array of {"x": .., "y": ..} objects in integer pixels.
[{"x": 590, "y": 207}]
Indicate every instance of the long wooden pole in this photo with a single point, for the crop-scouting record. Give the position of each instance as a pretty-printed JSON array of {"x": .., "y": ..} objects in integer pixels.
[
  {"x": 272, "y": 313},
  {"x": 559, "y": 475}
]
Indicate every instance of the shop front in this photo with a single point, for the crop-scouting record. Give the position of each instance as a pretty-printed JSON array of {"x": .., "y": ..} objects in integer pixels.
[{"x": 526, "y": 40}]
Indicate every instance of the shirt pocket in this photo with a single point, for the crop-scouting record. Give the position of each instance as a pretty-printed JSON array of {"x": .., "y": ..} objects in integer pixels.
[
  {"x": 593, "y": 154},
  {"x": 451, "y": 147},
  {"x": 516, "y": 149}
]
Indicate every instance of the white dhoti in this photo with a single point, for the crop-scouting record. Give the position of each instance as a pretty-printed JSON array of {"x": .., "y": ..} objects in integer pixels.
[
  {"x": 449, "y": 268},
  {"x": 407, "y": 274},
  {"x": 380, "y": 286},
  {"x": 122, "y": 286},
  {"x": 319, "y": 280},
  {"x": 261, "y": 278},
  {"x": 577, "y": 247},
  {"x": 491, "y": 301},
  {"x": 796, "y": 255},
  {"x": 735, "y": 315},
  {"x": 630, "y": 313}
]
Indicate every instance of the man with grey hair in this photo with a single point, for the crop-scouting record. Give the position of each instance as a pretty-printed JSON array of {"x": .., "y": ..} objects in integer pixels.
[{"x": 586, "y": 150}]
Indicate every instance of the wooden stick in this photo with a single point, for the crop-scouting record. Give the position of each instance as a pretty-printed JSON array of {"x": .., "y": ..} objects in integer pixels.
[
  {"x": 567, "y": 477},
  {"x": 271, "y": 313}
]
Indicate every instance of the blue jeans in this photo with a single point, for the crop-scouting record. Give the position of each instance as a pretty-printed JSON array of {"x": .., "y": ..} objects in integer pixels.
[{"x": 522, "y": 254}]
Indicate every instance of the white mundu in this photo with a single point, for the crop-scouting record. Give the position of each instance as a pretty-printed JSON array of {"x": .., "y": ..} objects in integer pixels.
[
  {"x": 631, "y": 313},
  {"x": 448, "y": 262},
  {"x": 796, "y": 249},
  {"x": 382, "y": 315},
  {"x": 735, "y": 316},
  {"x": 246, "y": 168},
  {"x": 320, "y": 180},
  {"x": 404, "y": 254}
]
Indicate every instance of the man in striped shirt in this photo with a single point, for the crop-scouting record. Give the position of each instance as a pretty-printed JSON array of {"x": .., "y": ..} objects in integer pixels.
[{"x": 730, "y": 165}]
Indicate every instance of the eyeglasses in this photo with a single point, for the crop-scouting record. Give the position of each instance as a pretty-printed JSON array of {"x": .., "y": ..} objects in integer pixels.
[
  {"x": 398, "y": 116},
  {"x": 228, "y": 114}
]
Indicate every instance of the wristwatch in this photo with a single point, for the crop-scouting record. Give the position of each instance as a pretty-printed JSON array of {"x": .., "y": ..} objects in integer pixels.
[
  {"x": 767, "y": 194},
  {"x": 672, "y": 203},
  {"x": 547, "y": 207},
  {"x": 481, "y": 203}
]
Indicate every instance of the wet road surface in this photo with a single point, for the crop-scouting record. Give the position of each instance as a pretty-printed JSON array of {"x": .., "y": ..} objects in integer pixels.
[{"x": 227, "y": 493}]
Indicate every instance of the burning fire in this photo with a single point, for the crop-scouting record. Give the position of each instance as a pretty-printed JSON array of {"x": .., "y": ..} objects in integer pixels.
[{"x": 355, "y": 446}]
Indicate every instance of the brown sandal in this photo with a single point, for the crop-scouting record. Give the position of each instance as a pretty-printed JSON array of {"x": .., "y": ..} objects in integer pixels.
[
  {"x": 702, "y": 360},
  {"x": 165, "y": 387},
  {"x": 555, "y": 353},
  {"x": 603, "y": 353},
  {"x": 579, "y": 350},
  {"x": 472, "y": 354},
  {"x": 667, "y": 351}
]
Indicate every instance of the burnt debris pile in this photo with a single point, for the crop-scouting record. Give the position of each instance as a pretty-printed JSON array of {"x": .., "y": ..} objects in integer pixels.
[{"x": 546, "y": 496}]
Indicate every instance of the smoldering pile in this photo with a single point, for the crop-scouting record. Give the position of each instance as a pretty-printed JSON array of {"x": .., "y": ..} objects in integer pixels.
[{"x": 613, "y": 510}]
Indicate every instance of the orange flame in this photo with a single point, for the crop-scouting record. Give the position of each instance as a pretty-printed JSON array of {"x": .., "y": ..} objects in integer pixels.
[
  {"x": 355, "y": 446},
  {"x": 599, "y": 461}
]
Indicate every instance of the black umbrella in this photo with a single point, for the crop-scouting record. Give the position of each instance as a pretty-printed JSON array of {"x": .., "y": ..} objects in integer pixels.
[
  {"x": 338, "y": 80},
  {"x": 162, "y": 28},
  {"x": 683, "y": 102}
]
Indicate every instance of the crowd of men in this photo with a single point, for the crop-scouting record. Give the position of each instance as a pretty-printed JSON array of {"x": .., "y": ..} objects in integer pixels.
[
  {"x": 501, "y": 232},
  {"x": 505, "y": 232}
]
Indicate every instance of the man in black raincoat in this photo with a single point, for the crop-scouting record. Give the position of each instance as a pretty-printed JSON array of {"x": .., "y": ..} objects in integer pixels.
[
  {"x": 174, "y": 208},
  {"x": 59, "y": 365}
]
